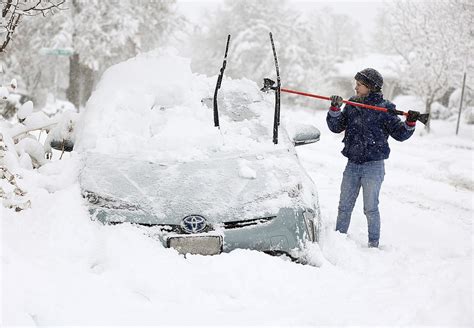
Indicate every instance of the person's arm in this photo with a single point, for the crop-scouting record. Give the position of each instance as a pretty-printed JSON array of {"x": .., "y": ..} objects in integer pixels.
[
  {"x": 397, "y": 129},
  {"x": 336, "y": 118}
]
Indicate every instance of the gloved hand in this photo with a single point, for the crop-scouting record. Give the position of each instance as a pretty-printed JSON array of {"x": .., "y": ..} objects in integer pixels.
[
  {"x": 336, "y": 101},
  {"x": 412, "y": 117}
]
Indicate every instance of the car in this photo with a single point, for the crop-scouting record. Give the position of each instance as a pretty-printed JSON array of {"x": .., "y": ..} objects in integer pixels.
[{"x": 202, "y": 189}]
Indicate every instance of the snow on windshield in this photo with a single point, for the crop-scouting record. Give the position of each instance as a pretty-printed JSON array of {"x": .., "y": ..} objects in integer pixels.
[{"x": 153, "y": 105}]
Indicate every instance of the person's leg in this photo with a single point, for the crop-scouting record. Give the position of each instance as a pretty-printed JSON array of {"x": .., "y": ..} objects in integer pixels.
[
  {"x": 372, "y": 178},
  {"x": 350, "y": 187}
]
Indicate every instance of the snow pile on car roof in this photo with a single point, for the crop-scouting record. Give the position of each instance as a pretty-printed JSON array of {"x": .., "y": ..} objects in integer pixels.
[{"x": 154, "y": 105}]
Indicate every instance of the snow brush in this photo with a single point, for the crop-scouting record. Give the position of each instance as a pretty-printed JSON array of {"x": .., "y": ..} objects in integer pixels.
[{"x": 268, "y": 84}]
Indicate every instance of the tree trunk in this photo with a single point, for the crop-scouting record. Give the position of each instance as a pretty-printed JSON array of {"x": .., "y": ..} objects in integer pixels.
[{"x": 81, "y": 82}]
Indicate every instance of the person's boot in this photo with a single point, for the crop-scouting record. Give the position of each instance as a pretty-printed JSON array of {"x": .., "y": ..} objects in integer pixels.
[{"x": 373, "y": 243}]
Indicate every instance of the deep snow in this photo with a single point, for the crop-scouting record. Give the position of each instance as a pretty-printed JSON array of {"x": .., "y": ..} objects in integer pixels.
[{"x": 60, "y": 268}]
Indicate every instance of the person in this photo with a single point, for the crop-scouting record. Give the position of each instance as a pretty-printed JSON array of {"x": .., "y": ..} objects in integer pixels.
[{"x": 366, "y": 133}]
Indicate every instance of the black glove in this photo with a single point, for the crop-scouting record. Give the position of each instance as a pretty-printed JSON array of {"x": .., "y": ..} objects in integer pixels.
[
  {"x": 412, "y": 116},
  {"x": 336, "y": 101}
]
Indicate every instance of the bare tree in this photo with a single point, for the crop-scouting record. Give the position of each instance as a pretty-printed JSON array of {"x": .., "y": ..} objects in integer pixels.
[
  {"x": 96, "y": 34},
  {"x": 14, "y": 10},
  {"x": 306, "y": 46},
  {"x": 435, "y": 40},
  {"x": 103, "y": 33}
]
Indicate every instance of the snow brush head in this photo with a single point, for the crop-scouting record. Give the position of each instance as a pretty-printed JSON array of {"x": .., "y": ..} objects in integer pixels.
[
  {"x": 268, "y": 85},
  {"x": 423, "y": 118}
]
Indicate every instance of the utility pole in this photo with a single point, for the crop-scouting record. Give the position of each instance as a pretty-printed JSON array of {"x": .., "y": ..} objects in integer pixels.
[{"x": 460, "y": 102}]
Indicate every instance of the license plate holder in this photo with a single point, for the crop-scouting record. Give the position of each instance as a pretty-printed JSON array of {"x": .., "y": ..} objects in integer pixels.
[{"x": 201, "y": 245}]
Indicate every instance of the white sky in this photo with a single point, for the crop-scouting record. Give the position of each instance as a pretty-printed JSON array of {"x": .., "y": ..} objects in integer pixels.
[{"x": 362, "y": 11}]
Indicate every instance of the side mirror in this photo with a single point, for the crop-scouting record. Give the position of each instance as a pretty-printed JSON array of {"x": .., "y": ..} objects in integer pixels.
[
  {"x": 62, "y": 145},
  {"x": 305, "y": 134}
]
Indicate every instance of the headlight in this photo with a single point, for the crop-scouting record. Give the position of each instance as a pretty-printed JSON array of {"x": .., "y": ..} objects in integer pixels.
[{"x": 108, "y": 202}]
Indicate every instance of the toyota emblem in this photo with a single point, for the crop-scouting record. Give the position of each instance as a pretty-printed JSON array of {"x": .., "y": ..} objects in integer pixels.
[{"x": 194, "y": 223}]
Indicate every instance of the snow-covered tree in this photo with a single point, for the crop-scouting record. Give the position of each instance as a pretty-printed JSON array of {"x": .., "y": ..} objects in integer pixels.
[
  {"x": 35, "y": 72},
  {"x": 435, "y": 39},
  {"x": 336, "y": 34},
  {"x": 306, "y": 45},
  {"x": 249, "y": 23},
  {"x": 100, "y": 33},
  {"x": 103, "y": 33},
  {"x": 16, "y": 16},
  {"x": 13, "y": 11}
]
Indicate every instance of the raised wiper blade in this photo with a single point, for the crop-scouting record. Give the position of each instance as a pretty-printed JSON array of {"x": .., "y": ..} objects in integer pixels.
[
  {"x": 218, "y": 84},
  {"x": 276, "y": 118}
]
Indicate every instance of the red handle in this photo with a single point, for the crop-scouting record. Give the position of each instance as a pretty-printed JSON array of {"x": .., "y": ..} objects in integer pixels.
[{"x": 382, "y": 109}]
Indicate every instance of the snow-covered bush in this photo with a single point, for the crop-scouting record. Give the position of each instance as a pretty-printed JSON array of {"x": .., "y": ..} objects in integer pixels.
[
  {"x": 62, "y": 136},
  {"x": 11, "y": 194},
  {"x": 10, "y": 106},
  {"x": 468, "y": 104},
  {"x": 21, "y": 149},
  {"x": 469, "y": 115},
  {"x": 440, "y": 112},
  {"x": 56, "y": 106}
]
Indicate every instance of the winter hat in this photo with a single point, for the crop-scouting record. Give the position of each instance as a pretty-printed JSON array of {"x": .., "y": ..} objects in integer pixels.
[{"x": 370, "y": 78}]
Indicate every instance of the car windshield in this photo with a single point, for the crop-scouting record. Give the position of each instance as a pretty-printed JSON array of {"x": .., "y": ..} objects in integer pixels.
[{"x": 154, "y": 107}]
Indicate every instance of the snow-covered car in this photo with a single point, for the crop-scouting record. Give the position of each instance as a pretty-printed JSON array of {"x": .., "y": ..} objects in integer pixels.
[{"x": 153, "y": 158}]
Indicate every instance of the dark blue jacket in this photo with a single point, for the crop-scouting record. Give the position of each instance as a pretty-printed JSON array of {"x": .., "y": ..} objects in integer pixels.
[{"x": 367, "y": 130}]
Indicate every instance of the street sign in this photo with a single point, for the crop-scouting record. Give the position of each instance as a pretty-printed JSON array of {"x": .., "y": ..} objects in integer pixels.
[{"x": 57, "y": 51}]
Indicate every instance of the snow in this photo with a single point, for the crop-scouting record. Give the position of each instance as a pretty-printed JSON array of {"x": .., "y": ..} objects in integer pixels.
[
  {"x": 34, "y": 121},
  {"x": 245, "y": 171},
  {"x": 55, "y": 106},
  {"x": 60, "y": 268},
  {"x": 64, "y": 129},
  {"x": 14, "y": 84},
  {"x": 165, "y": 116},
  {"x": 25, "y": 110},
  {"x": 4, "y": 93},
  {"x": 32, "y": 147}
]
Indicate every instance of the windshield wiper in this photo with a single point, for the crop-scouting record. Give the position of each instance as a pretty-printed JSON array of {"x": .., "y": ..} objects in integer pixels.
[
  {"x": 218, "y": 84},
  {"x": 276, "y": 118}
]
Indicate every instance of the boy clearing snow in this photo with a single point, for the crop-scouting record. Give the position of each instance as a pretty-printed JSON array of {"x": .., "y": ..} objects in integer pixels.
[{"x": 366, "y": 147}]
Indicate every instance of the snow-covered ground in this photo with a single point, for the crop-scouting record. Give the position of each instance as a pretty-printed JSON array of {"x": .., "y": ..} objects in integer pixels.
[{"x": 60, "y": 268}]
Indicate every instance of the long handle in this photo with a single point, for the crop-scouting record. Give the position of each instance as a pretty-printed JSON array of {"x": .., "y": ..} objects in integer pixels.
[{"x": 382, "y": 109}]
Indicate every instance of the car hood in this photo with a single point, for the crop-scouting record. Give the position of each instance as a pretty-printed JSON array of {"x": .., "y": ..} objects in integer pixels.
[{"x": 221, "y": 189}]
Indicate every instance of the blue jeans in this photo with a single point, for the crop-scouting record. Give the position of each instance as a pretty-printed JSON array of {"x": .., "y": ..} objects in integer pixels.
[{"x": 369, "y": 176}]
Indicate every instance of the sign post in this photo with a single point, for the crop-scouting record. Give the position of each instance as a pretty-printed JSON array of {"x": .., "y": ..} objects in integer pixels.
[
  {"x": 57, "y": 51},
  {"x": 63, "y": 52}
]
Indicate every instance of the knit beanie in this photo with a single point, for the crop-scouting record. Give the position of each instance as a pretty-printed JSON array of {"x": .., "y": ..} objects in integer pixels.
[{"x": 370, "y": 78}]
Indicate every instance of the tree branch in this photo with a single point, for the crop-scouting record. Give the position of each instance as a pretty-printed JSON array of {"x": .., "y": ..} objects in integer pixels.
[
  {"x": 13, "y": 11},
  {"x": 6, "y": 8}
]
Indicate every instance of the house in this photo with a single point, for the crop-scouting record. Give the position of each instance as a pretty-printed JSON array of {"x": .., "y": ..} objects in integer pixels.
[{"x": 387, "y": 65}]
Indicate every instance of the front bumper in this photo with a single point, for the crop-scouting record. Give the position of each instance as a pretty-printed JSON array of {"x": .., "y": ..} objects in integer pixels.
[{"x": 286, "y": 232}]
